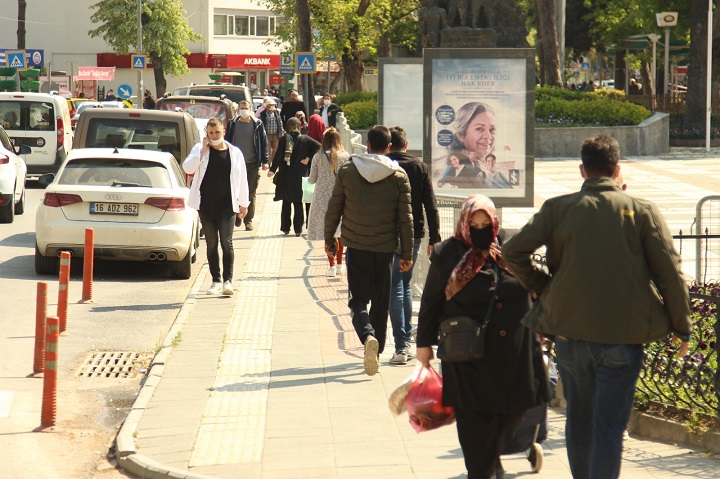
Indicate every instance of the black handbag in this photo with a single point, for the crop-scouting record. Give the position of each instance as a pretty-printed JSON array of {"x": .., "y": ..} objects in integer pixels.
[{"x": 462, "y": 338}]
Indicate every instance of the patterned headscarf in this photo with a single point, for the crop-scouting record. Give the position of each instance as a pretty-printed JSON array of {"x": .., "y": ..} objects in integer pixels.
[{"x": 474, "y": 258}]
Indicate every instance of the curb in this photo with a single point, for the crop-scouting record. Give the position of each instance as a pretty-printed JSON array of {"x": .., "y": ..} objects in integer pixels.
[
  {"x": 127, "y": 457},
  {"x": 665, "y": 430}
]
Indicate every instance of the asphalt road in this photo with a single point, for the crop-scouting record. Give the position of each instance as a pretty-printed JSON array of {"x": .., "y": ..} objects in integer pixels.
[{"x": 133, "y": 307}]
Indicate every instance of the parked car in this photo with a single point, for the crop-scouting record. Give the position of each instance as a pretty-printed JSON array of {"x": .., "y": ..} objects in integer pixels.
[
  {"x": 40, "y": 121},
  {"x": 74, "y": 104},
  {"x": 202, "y": 108},
  {"x": 85, "y": 105},
  {"x": 135, "y": 201},
  {"x": 607, "y": 84},
  {"x": 258, "y": 101},
  {"x": 149, "y": 130},
  {"x": 13, "y": 176},
  {"x": 235, "y": 93}
]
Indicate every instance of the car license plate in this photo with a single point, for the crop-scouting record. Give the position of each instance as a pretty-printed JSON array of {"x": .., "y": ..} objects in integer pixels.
[{"x": 113, "y": 209}]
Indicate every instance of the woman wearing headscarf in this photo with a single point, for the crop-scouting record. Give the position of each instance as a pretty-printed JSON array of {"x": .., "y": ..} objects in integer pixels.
[
  {"x": 468, "y": 277},
  {"x": 316, "y": 127}
]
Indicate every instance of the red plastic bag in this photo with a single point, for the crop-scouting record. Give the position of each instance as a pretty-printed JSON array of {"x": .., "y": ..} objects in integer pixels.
[{"x": 424, "y": 401}]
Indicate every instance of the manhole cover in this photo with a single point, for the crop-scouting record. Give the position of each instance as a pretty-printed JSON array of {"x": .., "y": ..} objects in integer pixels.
[{"x": 109, "y": 364}]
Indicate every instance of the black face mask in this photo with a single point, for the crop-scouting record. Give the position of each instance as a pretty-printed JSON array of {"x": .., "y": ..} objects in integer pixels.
[{"x": 481, "y": 237}]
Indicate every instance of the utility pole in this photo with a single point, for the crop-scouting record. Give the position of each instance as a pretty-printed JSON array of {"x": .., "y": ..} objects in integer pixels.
[{"x": 141, "y": 90}]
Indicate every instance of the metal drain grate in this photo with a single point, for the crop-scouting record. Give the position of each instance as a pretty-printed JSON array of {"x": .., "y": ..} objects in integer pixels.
[{"x": 109, "y": 364}]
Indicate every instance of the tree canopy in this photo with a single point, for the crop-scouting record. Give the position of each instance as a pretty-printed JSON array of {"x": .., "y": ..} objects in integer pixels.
[{"x": 165, "y": 33}]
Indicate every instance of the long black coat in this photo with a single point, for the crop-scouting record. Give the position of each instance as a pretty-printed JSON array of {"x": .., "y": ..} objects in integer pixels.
[
  {"x": 511, "y": 377},
  {"x": 288, "y": 181}
]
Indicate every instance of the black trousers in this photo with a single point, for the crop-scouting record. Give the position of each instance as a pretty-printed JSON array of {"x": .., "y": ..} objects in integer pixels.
[
  {"x": 253, "y": 178},
  {"x": 298, "y": 219},
  {"x": 483, "y": 437},
  {"x": 219, "y": 230},
  {"x": 368, "y": 276}
]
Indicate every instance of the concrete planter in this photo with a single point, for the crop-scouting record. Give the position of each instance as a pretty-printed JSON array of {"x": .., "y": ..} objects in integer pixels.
[
  {"x": 665, "y": 430},
  {"x": 693, "y": 142},
  {"x": 651, "y": 137}
]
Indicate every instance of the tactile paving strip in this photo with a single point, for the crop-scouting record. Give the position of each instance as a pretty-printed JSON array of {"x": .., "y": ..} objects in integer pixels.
[{"x": 235, "y": 413}]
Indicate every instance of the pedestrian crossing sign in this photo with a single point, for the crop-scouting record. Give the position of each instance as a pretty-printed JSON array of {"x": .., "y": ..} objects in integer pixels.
[
  {"x": 138, "y": 61},
  {"x": 305, "y": 62},
  {"x": 16, "y": 59}
]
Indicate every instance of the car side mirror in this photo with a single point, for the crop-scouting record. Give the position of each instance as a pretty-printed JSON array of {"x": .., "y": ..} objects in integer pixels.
[
  {"x": 46, "y": 179},
  {"x": 23, "y": 150}
]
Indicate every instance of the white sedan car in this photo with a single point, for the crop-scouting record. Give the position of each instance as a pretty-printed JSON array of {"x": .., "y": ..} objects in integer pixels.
[
  {"x": 135, "y": 200},
  {"x": 13, "y": 175}
]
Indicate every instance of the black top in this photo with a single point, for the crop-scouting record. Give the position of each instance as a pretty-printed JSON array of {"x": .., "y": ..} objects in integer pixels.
[{"x": 215, "y": 195}]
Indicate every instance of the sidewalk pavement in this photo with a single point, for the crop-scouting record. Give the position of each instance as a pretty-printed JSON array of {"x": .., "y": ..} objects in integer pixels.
[{"x": 269, "y": 383}]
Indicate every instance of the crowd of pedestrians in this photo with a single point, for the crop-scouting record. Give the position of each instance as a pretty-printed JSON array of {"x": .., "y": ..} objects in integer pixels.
[{"x": 371, "y": 211}]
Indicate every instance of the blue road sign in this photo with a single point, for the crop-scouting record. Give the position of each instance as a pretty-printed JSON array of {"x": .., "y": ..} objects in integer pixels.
[
  {"x": 305, "y": 63},
  {"x": 125, "y": 91},
  {"x": 138, "y": 61},
  {"x": 16, "y": 59}
]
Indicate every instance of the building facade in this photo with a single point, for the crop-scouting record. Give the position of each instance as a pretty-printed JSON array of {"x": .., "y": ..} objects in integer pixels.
[{"x": 235, "y": 42}]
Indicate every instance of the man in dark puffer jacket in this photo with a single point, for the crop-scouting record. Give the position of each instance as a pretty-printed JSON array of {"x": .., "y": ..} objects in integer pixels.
[{"x": 372, "y": 197}]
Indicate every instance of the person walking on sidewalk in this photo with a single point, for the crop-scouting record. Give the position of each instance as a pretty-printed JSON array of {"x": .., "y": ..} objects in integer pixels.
[
  {"x": 219, "y": 192},
  {"x": 372, "y": 198},
  {"x": 614, "y": 283},
  {"x": 273, "y": 123},
  {"x": 422, "y": 195},
  {"x": 323, "y": 170},
  {"x": 248, "y": 134},
  {"x": 291, "y": 163},
  {"x": 468, "y": 277}
]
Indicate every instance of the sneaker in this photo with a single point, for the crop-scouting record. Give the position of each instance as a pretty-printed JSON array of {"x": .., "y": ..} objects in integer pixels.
[
  {"x": 342, "y": 269},
  {"x": 371, "y": 362},
  {"x": 248, "y": 227},
  {"x": 238, "y": 221},
  {"x": 409, "y": 354},
  {"x": 400, "y": 357},
  {"x": 331, "y": 272},
  {"x": 215, "y": 288},
  {"x": 228, "y": 288}
]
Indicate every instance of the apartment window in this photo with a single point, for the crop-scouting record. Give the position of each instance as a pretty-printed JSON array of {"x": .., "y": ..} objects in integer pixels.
[
  {"x": 262, "y": 26},
  {"x": 242, "y": 25},
  {"x": 220, "y": 23}
]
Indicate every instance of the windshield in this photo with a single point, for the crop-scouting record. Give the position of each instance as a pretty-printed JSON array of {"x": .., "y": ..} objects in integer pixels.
[
  {"x": 235, "y": 94},
  {"x": 196, "y": 109},
  {"x": 134, "y": 133},
  {"x": 27, "y": 115},
  {"x": 118, "y": 173}
]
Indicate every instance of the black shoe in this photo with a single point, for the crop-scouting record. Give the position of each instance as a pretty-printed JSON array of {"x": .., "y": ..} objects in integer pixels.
[
  {"x": 298, "y": 234},
  {"x": 238, "y": 221},
  {"x": 248, "y": 227},
  {"x": 285, "y": 232}
]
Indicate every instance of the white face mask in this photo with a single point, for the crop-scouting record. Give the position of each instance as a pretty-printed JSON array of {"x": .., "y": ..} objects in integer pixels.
[
  {"x": 217, "y": 142},
  {"x": 244, "y": 113},
  {"x": 327, "y": 102}
]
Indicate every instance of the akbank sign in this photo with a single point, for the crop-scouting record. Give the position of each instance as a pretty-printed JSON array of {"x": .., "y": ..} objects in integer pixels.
[{"x": 257, "y": 62}]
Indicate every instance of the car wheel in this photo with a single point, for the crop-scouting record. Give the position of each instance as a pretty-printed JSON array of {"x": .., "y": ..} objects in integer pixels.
[
  {"x": 7, "y": 213},
  {"x": 182, "y": 269},
  {"x": 46, "y": 264},
  {"x": 20, "y": 205}
]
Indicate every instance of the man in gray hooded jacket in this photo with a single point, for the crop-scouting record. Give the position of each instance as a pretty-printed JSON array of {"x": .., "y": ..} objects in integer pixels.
[{"x": 372, "y": 197}]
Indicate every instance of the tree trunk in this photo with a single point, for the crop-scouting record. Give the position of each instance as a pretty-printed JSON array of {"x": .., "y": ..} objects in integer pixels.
[
  {"x": 697, "y": 67},
  {"x": 302, "y": 12},
  {"x": 160, "y": 82},
  {"x": 648, "y": 86},
  {"x": 354, "y": 69},
  {"x": 549, "y": 48},
  {"x": 620, "y": 69},
  {"x": 385, "y": 48},
  {"x": 22, "y": 7},
  {"x": 334, "y": 83}
]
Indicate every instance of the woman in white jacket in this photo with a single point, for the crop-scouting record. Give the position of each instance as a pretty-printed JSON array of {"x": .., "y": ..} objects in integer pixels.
[{"x": 219, "y": 192}]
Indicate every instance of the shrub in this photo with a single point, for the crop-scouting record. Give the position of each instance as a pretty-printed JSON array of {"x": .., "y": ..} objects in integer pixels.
[
  {"x": 558, "y": 107},
  {"x": 355, "y": 96},
  {"x": 679, "y": 131},
  {"x": 361, "y": 115}
]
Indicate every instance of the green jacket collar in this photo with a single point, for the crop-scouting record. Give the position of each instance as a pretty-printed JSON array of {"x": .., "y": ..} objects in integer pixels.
[{"x": 601, "y": 183}]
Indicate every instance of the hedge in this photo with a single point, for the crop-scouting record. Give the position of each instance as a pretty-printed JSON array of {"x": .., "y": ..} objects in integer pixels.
[
  {"x": 558, "y": 107},
  {"x": 361, "y": 115},
  {"x": 355, "y": 96}
]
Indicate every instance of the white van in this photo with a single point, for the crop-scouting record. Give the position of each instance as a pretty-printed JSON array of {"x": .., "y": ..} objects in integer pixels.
[{"x": 42, "y": 122}]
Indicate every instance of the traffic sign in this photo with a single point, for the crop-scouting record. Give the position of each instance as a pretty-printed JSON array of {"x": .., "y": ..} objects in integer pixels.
[
  {"x": 138, "y": 61},
  {"x": 125, "y": 91},
  {"x": 286, "y": 63},
  {"x": 16, "y": 59},
  {"x": 305, "y": 62}
]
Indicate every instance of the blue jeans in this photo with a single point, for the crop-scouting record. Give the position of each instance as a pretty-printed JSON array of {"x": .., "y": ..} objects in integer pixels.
[
  {"x": 599, "y": 384},
  {"x": 219, "y": 230},
  {"x": 401, "y": 299}
]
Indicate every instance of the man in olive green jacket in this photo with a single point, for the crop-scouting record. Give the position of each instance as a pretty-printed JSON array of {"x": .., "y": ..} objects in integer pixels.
[
  {"x": 614, "y": 283},
  {"x": 372, "y": 197}
]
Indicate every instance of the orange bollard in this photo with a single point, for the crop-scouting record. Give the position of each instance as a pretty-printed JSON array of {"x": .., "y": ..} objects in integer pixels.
[
  {"x": 40, "y": 321},
  {"x": 63, "y": 289},
  {"x": 88, "y": 265},
  {"x": 49, "y": 400}
]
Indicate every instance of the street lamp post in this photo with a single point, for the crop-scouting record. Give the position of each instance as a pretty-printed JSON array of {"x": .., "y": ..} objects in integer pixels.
[
  {"x": 139, "y": 95},
  {"x": 708, "y": 91},
  {"x": 667, "y": 20},
  {"x": 654, "y": 38}
]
